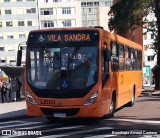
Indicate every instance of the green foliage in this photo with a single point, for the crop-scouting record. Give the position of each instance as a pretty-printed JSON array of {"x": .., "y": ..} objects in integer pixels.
[{"x": 128, "y": 14}]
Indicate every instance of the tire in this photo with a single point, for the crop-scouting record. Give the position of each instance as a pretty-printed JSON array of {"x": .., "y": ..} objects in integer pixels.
[
  {"x": 131, "y": 103},
  {"x": 112, "y": 108}
]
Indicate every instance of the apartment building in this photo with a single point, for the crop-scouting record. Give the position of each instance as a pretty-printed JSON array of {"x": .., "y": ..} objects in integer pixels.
[
  {"x": 59, "y": 13},
  {"x": 17, "y": 18},
  {"x": 150, "y": 56},
  {"x": 94, "y": 13}
]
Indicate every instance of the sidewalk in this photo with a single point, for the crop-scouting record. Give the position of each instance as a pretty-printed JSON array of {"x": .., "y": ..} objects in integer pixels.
[{"x": 12, "y": 110}]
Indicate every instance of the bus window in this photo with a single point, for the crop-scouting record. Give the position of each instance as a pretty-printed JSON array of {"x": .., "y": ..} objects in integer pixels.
[
  {"x": 132, "y": 59},
  {"x": 121, "y": 57},
  {"x": 127, "y": 58},
  {"x": 114, "y": 56}
]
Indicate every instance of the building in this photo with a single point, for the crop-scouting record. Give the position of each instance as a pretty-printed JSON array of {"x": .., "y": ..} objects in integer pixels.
[
  {"x": 17, "y": 18},
  {"x": 150, "y": 56},
  {"x": 59, "y": 13},
  {"x": 94, "y": 13}
]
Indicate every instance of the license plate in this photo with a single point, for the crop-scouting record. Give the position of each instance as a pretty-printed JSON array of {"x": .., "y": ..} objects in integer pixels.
[{"x": 61, "y": 115}]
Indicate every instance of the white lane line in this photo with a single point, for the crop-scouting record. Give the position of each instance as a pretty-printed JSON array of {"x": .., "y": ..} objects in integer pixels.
[
  {"x": 101, "y": 136},
  {"x": 53, "y": 136},
  {"x": 76, "y": 132},
  {"x": 61, "y": 128},
  {"x": 22, "y": 124},
  {"x": 39, "y": 126},
  {"x": 3, "y": 123},
  {"x": 136, "y": 121}
]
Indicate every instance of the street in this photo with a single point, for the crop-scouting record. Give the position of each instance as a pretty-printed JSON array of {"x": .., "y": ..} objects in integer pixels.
[{"x": 142, "y": 120}]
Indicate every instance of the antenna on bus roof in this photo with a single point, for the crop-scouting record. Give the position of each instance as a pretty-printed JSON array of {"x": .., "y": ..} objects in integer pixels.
[{"x": 98, "y": 27}]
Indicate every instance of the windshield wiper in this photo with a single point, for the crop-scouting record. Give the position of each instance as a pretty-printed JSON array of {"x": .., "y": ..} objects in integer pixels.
[{"x": 73, "y": 54}]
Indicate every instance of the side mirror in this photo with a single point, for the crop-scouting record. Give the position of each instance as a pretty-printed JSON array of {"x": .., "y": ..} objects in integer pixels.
[
  {"x": 19, "y": 57},
  {"x": 107, "y": 55}
]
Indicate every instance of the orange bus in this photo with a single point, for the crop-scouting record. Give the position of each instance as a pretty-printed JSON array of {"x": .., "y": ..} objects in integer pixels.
[{"x": 80, "y": 72}]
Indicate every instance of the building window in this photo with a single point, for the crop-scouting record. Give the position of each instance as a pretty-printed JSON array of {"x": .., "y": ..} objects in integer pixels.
[
  {"x": 66, "y": 10},
  {"x": 10, "y": 36},
  {"x": 47, "y": 24},
  {"x": 48, "y": 11},
  {"x": 1, "y": 36},
  {"x": 150, "y": 58},
  {"x": 9, "y": 23},
  {"x": 3, "y": 61},
  {"x": 31, "y": 10},
  {"x": 2, "y": 49},
  {"x": 56, "y": 0},
  {"x": 66, "y": 23},
  {"x": 108, "y": 3},
  {"x": 83, "y": 4},
  {"x": 96, "y": 3},
  {"x": 8, "y": 12},
  {"x": 20, "y": 23},
  {"x": 22, "y": 36},
  {"x": 89, "y": 4},
  {"x": 152, "y": 36},
  {"x": 0, "y": 23},
  {"x": 6, "y": 0},
  {"x": 29, "y": 23}
]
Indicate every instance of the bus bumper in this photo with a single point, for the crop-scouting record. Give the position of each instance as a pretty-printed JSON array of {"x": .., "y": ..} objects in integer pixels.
[{"x": 93, "y": 110}]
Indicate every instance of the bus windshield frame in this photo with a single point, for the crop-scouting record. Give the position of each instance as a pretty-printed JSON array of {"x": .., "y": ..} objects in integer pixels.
[{"x": 74, "y": 63}]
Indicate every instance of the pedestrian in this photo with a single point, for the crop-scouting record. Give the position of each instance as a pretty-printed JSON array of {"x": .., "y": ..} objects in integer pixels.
[
  {"x": 4, "y": 91},
  {"x": 19, "y": 85},
  {"x": 13, "y": 85}
]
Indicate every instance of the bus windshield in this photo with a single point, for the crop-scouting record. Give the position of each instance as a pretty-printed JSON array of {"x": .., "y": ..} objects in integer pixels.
[{"x": 60, "y": 68}]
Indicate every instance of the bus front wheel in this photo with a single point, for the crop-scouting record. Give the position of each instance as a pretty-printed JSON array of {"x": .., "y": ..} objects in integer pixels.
[
  {"x": 131, "y": 103},
  {"x": 111, "y": 108}
]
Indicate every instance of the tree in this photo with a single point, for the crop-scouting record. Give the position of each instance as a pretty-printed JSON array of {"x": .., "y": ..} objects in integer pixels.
[{"x": 128, "y": 14}]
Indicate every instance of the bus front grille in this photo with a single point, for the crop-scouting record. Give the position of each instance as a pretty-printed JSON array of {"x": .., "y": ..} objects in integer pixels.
[{"x": 68, "y": 111}]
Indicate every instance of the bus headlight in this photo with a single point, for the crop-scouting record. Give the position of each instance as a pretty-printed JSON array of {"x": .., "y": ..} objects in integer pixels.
[
  {"x": 92, "y": 99},
  {"x": 30, "y": 98}
]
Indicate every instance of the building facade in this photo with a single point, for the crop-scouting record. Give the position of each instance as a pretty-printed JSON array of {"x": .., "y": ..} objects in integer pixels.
[{"x": 18, "y": 17}]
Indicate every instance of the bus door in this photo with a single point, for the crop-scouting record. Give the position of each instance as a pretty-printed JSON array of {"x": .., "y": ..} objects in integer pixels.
[{"x": 106, "y": 56}]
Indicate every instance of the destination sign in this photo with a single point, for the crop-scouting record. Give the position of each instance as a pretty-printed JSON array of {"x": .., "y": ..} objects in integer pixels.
[{"x": 63, "y": 36}]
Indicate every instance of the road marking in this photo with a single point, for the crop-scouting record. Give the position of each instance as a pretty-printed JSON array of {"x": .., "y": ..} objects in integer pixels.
[
  {"x": 22, "y": 124},
  {"x": 8, "y": 122},
  {"x": 101, "y": 136},
  {"x": 137, "y": 121},
  {"x": 61, "y": 128},
  {"x": 39, "y": 126},
  {"x": 75, "y": 132}
]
